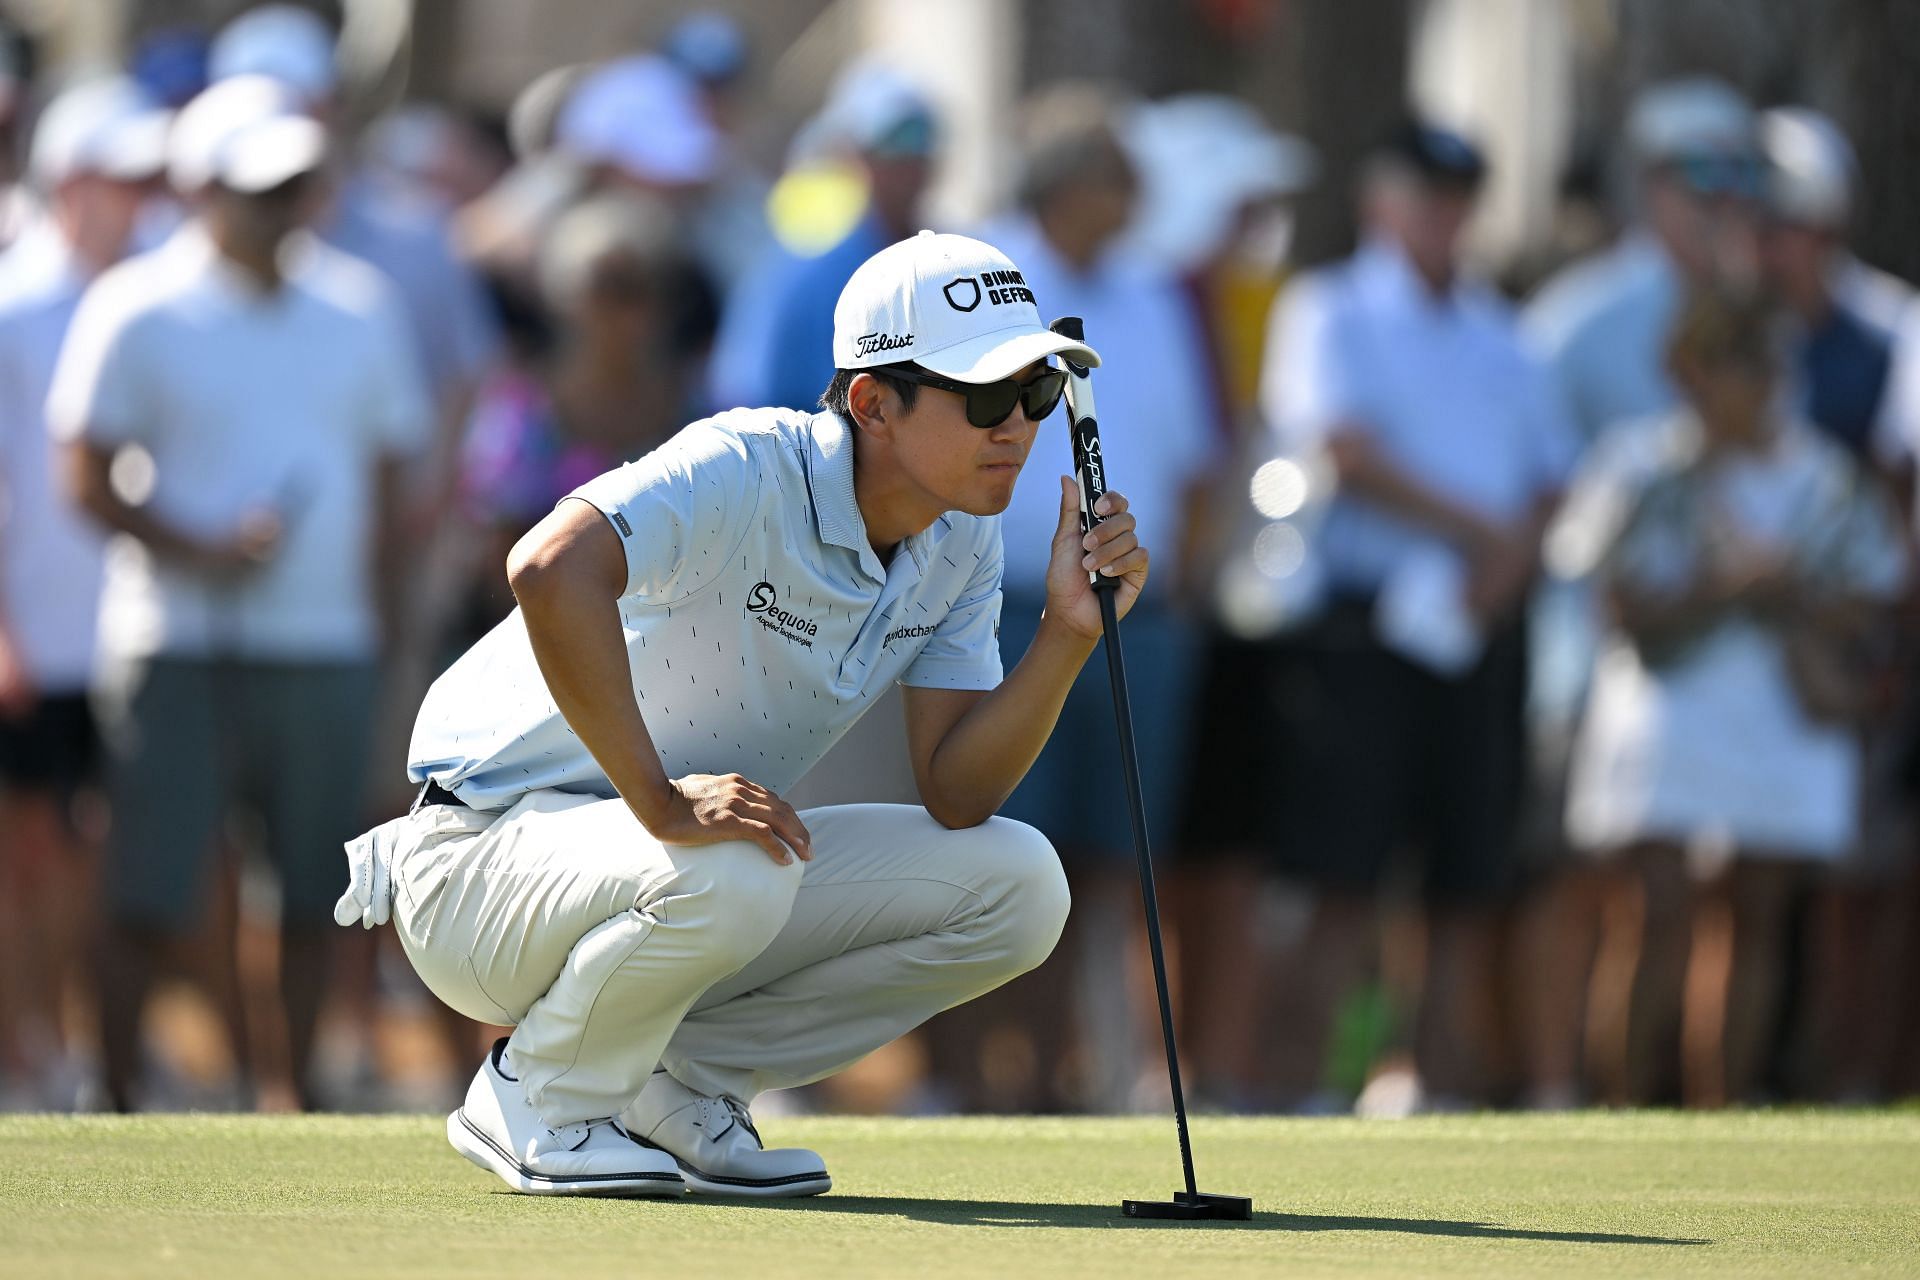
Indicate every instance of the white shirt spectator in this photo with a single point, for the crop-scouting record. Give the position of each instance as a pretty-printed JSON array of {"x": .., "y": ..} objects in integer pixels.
[
  {"x": 1441, "y": 385},
  {"x": 51, "y": 570},
  {"x": 1154, "y": 400},
  {"x": 1711, "y": 739},
  {"x": 245, "y": 400},
  {"x": 760, "y": 622}
]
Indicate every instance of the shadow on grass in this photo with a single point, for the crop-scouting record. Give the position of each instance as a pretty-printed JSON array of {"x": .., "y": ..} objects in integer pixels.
[{"x": 996, "y": 1213}]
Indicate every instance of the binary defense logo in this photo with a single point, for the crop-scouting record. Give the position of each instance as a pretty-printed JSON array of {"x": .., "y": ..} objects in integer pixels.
[
  {"x": 963, "y": 294},
  {"x": 764, "y": 602}
]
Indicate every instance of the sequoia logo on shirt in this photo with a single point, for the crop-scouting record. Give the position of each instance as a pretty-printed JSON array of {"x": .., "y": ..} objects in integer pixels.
[{"x": 764, "y": 602}]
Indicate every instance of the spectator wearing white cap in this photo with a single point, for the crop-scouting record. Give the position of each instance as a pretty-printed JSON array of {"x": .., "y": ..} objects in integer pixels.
[
  {"x": 1603, "y": 322},
  {"x": 266, "y": 382},
  {"x": 1078, "y": 192},
  {"x": 1846, "y": 314},
  {"x": 96, "y": 150},
  {"x": 455, "y": 335},
  {"x": 775, "y": 346}
]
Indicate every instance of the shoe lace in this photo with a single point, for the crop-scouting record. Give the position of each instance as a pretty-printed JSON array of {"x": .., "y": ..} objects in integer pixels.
[{"x": 735, "y": 1113}]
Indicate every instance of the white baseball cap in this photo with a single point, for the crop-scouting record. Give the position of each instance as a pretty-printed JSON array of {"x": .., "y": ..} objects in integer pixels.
[
  {"x": 643, "y": 115},
  {"x": 288, "y": 44},
  {"x": 246, "y": 134},
  {"x": 951, "y": 304},
  {"x": 1811, "y": 169},
  {"x": 107, "y": 127}
]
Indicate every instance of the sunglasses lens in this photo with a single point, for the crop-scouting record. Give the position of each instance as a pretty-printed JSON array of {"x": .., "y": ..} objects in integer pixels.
[
  {"x": 1042, "y": 394},
  {"x": 989, "y": 405}
]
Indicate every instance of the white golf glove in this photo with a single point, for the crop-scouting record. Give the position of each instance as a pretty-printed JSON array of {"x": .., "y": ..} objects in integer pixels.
[{"x": 369, "y": 895}]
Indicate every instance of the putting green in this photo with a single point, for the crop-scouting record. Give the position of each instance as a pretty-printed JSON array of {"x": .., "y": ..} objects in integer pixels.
[{"x": 1802, "y": 1193}]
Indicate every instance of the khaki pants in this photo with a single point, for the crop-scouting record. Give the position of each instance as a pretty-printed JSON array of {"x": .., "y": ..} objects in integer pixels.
[{"x": 612, "y": 954}]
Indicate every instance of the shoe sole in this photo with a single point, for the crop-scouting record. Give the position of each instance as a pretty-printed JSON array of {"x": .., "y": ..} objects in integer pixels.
[
  {"x": 470, "y": 1142},
  {"x": 793, "y": 1186}
]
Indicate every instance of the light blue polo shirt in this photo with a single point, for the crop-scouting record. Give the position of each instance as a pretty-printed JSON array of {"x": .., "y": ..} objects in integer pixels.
[{"x": 760, "y": 623}]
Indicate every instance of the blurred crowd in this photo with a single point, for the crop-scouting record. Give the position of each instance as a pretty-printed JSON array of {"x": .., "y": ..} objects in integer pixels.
[{"x": 1524, "y": 687}]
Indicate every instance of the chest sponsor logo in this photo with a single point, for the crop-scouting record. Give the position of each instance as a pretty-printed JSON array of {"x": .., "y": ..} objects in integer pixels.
[
  {"x": 763, "y": 602},
  {"x": 907, "y": 633}
]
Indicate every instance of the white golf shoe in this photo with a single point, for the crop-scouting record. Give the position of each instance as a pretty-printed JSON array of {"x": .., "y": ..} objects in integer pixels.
[
  {"x": 498, "y": 1129},
  {"x": 718, "y": 1148}
]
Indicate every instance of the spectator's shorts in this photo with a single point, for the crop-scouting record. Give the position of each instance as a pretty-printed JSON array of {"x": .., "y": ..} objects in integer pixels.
[
  {"x": 1076, "y": 794},
  {"x": 189, "y": 739},
  {"x": 1355, "y": 756},
  {"x": 54, "y": 748}
]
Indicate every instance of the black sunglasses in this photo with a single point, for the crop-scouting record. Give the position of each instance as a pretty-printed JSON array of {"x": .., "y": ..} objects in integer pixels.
[{"x": 991, "y": 403}]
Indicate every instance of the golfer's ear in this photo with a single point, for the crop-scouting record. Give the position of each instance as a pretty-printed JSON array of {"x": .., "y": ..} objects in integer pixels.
[{"x": 871, "y": 404}]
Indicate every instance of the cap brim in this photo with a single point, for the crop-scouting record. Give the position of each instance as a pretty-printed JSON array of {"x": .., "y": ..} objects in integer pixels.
[
  {"x": 272, "y": 153},
  {"x": 993, "y": 356}
]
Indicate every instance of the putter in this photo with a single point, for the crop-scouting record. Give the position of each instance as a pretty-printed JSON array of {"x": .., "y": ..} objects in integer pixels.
[{"x": 1090, "y": 469}]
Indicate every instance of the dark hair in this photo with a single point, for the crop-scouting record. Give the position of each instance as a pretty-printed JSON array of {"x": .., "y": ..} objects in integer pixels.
[{"x": 834, "y": 398}]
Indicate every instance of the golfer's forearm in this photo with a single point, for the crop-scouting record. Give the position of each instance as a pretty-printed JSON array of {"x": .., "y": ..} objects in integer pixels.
[
  {"x": 989, "y": 750},
  {"x": 574, "y": 628}
]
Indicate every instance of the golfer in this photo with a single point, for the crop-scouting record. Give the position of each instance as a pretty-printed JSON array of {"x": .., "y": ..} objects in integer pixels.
[{"x": 600, "y": 855}]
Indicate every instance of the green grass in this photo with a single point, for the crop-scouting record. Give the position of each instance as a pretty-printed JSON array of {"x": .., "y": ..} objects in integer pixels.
[{"x": 1623, "y": 1194}]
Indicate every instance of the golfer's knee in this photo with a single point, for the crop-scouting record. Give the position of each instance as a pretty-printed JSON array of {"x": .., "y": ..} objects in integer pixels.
[
  {"x": 1028, "y": 888},
  {"x": 739, "y": 897}
]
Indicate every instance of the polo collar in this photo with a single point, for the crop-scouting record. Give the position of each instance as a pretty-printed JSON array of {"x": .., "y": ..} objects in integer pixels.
[{"x": 836, "y": 511}]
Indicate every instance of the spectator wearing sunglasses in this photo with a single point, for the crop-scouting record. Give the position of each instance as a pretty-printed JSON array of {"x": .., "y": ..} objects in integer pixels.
[{"x": 1078, "y": 193}]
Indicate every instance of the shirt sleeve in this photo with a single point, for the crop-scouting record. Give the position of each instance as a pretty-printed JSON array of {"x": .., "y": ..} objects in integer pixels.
[
  {"x": 680, "y": 511},
  {"x": 100, "y": 380},
  {"x": 1309, "y": 385},
  {"x": 964, "y": 650}
]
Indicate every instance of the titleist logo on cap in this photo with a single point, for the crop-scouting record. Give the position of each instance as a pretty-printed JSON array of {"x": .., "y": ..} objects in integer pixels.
[{"x": 868, "y": 343}]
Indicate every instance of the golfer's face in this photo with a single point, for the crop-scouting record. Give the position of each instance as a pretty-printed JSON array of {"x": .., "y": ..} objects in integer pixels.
[{"x": 971, "y": 468}]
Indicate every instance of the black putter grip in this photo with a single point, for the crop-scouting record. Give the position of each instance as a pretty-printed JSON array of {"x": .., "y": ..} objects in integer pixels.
[{"x": 1089, "y": 465}]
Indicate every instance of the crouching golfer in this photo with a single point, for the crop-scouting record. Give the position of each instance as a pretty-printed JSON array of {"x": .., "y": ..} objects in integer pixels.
[{"x": 600, "y": 855}]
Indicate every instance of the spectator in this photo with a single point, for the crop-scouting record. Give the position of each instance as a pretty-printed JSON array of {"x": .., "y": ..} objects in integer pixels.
[
  {"x": 1078, "y": 191},
  {"x": 453, "y": 330},
  {"x": 268, "y": 382},
  {"x": 729, "y": 229},
  {"x": 1402, "y": 724},
  {"x": 1844, "y": 313},
  {"x": 615, "y": 384},
  {"x": 1845, "y": 323},
  {"x": 95, "y": 150},
  {"x": 889, "y": 126},
  {"x": 1740, "y": 553},
  {"x": 1602, "y": 325}
]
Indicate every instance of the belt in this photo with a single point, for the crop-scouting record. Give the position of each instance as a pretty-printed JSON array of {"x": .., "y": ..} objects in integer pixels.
[{"x": 434, "y": 793}]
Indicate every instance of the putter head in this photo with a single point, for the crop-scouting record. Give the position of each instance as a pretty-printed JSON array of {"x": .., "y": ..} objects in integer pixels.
[{"x": 1204, "y": 1207}]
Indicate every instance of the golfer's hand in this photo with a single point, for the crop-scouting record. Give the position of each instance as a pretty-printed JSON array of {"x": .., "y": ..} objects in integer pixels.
[
  {"x": 1111, "y": 548},
  {"x": 707, "y": 808}
]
